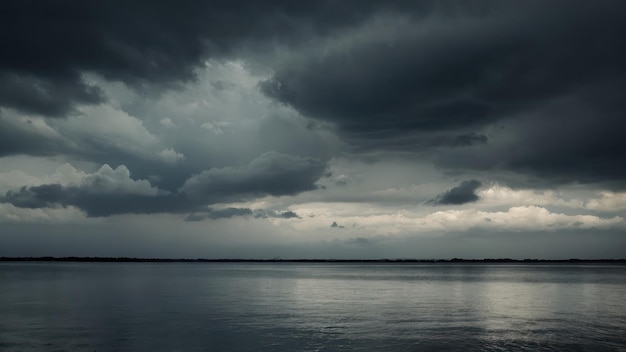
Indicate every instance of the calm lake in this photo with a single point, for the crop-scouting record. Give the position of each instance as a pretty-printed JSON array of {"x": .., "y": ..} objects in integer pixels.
[{"x": 311, "y": 307}]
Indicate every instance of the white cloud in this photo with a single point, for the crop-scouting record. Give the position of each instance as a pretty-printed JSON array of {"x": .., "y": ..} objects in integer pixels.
[
  {"x": 167, "y": 122},
  {"x": 64, "y": 175},
  {"x": 15, "y": 179},
  {"x": 496, "y": 195},
  {"x": 217, "y": 127},
  {"x": 608, "y": 201},
  {"x": 521, "y": 218},
  {"x": 118, "y": 181},
  {"x": 171, "y": 156},
  {"x": 365, "y": 219}
]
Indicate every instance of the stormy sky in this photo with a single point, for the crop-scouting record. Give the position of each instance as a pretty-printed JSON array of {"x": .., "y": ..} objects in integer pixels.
[{"x": 323, "y": 129}]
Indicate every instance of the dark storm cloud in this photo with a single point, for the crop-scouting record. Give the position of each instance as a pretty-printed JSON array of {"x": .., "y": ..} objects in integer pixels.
[
  {"x": 51, "y": 97},
  {"x": 585, "y": 142},
  {"x": 465, "y": 192},
  {"x": 15, "y": 140},
  {"x": 577, "y": 138},
  {"x": 228, "y": 213},
  {"x": 449, "y": 72},
  {"x": 288, "y": 214},
  {"x": 111, "y": 191},
  {"x": 270, "y": 174},
  {"x": 219, "y": 214},
  {"x": 417, "y": 83},
  {"x": 469, "y": 139},
  {"x": 337, "y": 226},
  {"x": 95, "y": 204},
  {"x": 47, "y": 46},
  {"x": 395, "y": 75}
]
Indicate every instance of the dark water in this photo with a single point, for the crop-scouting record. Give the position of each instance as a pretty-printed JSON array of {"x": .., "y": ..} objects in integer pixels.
[{"x": 311, "y": 307}]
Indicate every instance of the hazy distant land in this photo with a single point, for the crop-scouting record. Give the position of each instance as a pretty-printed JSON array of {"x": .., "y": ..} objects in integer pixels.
[{"x": 279, "y": 260}]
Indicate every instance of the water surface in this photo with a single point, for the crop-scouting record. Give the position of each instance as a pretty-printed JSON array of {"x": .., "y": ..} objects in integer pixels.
[{"x": 311, "y": 307}]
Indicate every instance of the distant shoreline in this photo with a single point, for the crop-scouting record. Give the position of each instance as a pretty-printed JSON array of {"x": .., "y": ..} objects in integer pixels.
[{"x": 373, "y": 261}]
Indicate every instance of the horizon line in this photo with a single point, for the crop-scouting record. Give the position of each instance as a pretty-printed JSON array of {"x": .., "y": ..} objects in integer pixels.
[{"x": 300, "y": 260}]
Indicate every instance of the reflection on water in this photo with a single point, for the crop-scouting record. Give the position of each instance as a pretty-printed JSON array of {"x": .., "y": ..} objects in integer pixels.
[{"x": 311, "y": 307}]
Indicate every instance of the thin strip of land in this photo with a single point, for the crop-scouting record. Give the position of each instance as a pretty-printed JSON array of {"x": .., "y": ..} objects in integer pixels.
[{"x": 278, "y": 260}]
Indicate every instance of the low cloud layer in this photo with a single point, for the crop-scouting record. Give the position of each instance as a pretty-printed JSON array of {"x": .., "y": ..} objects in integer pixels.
[
  {"x": 270, "y": 174},
  {"x": 227, "y": 213},
  {"x": 112, "y": 191},
  {"x": 105, "y": 192}
]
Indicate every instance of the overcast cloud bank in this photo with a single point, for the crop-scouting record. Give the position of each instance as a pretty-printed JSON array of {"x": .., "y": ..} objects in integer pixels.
[{"x": 266, "y": 126}]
